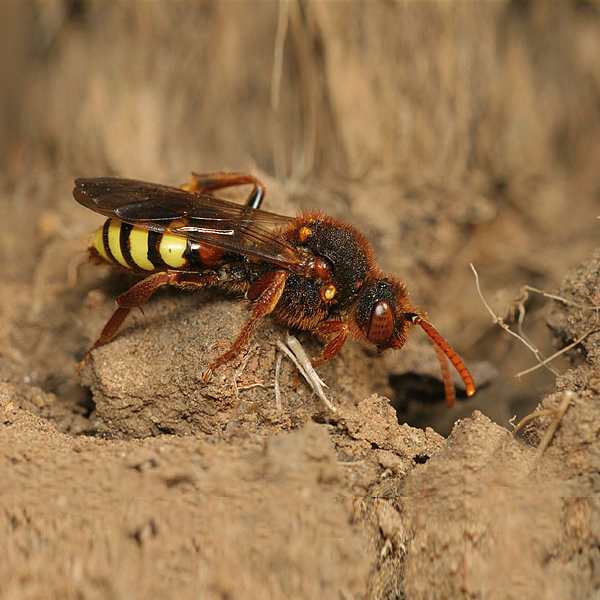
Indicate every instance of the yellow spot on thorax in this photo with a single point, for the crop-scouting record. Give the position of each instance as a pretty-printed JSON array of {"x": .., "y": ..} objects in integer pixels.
[
  {"x": 304, "y": 233},
  {"x": 328, "y": 292}
]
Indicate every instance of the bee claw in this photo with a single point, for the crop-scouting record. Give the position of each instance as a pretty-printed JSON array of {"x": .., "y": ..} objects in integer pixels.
[{"x": 85, "y": 361}]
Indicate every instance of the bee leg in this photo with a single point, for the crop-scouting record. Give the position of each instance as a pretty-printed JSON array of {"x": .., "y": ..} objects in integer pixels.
[
  {"x": 139, "y": 294},
  {"x": 341, "y": 329},
  {"x": 208, "y": 182},
  {"x": 266, "y": 291}
]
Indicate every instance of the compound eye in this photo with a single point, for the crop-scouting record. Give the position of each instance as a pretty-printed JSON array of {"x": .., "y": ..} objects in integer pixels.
[{"x": 381, "y": 326}]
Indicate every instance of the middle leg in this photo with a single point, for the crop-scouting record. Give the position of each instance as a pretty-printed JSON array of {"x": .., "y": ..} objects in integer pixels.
[
  {"x": 267, "y": 292},
  {"x": 334, "y": 345}
]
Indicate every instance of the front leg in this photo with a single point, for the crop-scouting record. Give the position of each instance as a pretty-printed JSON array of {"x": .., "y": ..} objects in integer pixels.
[
  {"x": 341, "y": 329},
  {"x": 266, "y": 291}
]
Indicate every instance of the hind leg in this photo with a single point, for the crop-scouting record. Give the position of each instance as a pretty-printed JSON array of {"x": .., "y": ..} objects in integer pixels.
[
  {"x": 139, "y": 294},
  {"x": 208, "y": 182}
]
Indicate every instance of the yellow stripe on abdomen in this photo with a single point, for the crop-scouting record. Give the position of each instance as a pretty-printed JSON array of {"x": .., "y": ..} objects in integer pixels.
[
  {"x": 114, "y": 242},
  {"x": 172, "y": 247},
  {"x": 98, "y": 243},
  {"x": 138, "y": 248},
  {"x": 171, "y": 250},
  {"x": 130, "y": 247}
]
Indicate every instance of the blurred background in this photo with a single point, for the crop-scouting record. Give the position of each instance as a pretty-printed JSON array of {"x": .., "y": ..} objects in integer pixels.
[{"x": 449, "y": 133}]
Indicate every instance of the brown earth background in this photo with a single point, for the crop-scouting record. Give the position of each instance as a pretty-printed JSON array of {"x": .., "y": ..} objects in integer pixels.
[{"x": 449, "y": 133}]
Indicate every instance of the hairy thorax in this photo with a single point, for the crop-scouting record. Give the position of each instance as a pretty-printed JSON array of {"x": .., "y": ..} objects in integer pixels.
[{"x": 306, "y": 301}]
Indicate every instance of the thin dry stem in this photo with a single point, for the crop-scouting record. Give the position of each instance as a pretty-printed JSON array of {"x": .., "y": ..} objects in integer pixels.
[
  {"x": 499, "y": 321},
  {"x": 528, "y": 288},
  {"x": 277, "y": 390},
  {"x": 558, "y": 415},
  {"x": 251, "y": 386},
  {"x": 276, "y": 75},
  {"x": 559, "y": 352},
  {"x": 530, "y": 417},
  {"x": 296, "y": 347},
  {"x": 521, "y": 319}
]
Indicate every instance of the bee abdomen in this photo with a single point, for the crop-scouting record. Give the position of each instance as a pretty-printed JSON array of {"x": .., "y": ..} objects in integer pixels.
[{"x": 139, "y": 249}]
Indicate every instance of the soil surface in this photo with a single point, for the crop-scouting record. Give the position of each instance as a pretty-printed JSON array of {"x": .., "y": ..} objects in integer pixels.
[{"x": 448, "y": 134}]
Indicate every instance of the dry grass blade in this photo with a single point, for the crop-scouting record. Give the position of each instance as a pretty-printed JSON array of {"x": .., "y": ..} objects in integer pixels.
[
  {"x": 295, "y": 352},
  {"x": 525, "y": 295}
]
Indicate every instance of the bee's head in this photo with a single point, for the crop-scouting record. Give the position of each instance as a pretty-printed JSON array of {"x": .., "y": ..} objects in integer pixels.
[{"x": 383, "y": 313}]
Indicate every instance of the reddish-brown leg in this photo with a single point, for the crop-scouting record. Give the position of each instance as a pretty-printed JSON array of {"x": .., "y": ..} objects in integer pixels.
[
  {"x": 335, "y": 344},
  {"x": 140, "y": 294},
  {"x": 208, "y": 182},
  {"x": 267, "y": 292}
]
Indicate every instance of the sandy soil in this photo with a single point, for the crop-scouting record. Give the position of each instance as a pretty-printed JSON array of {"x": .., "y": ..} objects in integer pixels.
[{"x": 449, "y": 134}]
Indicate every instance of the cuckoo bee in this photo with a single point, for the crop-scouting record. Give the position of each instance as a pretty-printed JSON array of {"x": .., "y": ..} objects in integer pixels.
[{"x": 310, "y": 272}]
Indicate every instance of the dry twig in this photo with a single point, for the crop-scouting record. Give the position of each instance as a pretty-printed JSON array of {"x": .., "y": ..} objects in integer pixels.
[
  {"x": 521, "y": 336},
  {"x": 525, "y": 296},
  {"x": 499, "y": 321}
]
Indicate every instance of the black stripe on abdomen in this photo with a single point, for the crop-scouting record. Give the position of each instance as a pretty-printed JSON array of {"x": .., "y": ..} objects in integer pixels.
[
  {"x": 154, "y": 238},
  {"x": 105, "y": 241},
  {"x": 125, "y": 244}
]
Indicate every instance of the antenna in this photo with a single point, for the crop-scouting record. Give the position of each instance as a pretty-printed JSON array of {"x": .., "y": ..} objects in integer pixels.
[{"x": 442, "y": 346}]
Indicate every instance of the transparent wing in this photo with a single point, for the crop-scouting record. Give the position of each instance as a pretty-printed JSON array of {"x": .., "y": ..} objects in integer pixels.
[{"x": 199, "y": 217}]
